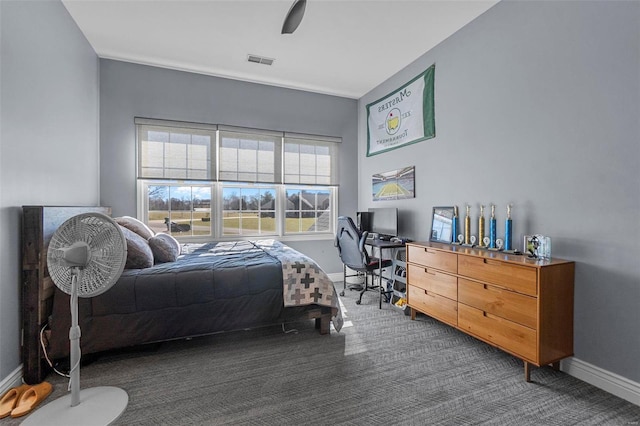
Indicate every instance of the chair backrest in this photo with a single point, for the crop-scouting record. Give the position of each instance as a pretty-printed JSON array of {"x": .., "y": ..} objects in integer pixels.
[{"x": 350, "y": 242}]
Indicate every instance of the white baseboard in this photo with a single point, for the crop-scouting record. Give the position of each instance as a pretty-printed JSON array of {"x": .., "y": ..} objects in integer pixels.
[
  {"x": 603, "y": 379},
  {"x": 12, "y": 380}
]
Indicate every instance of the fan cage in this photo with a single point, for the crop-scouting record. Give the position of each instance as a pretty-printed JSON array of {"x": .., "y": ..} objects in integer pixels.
[{"x": 107, "y": 254}]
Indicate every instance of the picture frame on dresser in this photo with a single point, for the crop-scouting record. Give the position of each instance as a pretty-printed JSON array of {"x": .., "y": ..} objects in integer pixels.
[{"x": 442, "y": 224}]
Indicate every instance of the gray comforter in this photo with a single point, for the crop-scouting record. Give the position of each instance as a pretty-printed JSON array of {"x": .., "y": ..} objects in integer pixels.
[{"x": 217, "y": 287}]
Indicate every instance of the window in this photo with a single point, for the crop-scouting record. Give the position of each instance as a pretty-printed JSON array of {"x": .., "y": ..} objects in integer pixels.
[
  {"x": 248, "y": 210},
  {"x": 180, "y": 209},
  {"x": 200, "y": 180},
  {"x": 308, "y": 210}
]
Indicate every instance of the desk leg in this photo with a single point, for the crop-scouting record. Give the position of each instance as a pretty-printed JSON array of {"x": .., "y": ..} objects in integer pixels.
[{"x": 380, "y": 281}]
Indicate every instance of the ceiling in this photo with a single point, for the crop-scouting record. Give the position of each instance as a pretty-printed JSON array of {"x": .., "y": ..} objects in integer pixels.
[{"x": 342, "y": 47}]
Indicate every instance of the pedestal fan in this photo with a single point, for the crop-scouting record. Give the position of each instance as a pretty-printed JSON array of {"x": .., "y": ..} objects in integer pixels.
[{"x": 86, "y": 256}]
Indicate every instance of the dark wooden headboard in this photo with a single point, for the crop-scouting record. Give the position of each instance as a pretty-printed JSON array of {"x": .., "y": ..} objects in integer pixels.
[{"x": 38, "y": 226}]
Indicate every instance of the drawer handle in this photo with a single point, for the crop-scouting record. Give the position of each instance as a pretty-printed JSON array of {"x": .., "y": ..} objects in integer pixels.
[
  {"x": 426, "y": 271},
  {"x": 429, "y": 294},
  {"x": 484, "y": 314}
]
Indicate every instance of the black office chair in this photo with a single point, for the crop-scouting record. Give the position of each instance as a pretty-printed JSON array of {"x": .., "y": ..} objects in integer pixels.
[{"x": 350, "y": 243}]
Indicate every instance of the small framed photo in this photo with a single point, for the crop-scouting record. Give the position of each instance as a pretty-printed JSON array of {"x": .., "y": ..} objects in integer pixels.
[{"x": 530, "y": 245}]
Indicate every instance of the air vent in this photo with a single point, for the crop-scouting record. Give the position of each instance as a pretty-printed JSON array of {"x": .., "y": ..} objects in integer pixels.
[{"x": 260, "y": 59}]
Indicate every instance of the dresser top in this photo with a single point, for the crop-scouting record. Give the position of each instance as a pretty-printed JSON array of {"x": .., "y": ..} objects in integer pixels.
[{"x": 522, "y": 259}]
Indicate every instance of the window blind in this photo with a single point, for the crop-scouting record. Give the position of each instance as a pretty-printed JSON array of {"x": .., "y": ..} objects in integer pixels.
[
  {"x": 250, "y": 157},
  {"x": 174, "y": 150},
  {"x": 310, "y": 160},
  {"x": 192, "y": 151}
]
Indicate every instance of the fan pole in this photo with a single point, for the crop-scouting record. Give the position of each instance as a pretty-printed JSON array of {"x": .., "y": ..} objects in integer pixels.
[{"x": 74, "y": 340}]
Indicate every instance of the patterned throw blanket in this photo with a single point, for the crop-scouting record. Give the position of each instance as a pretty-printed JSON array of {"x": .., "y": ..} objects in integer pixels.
[{"x": 304, "y": 282}]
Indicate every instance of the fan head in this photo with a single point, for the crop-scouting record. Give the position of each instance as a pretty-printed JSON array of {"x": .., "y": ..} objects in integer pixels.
[{"x": 92, "y": 243}]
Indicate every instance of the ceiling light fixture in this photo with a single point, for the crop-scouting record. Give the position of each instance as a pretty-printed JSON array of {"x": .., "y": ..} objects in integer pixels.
[{"x": 294, "y": 16}]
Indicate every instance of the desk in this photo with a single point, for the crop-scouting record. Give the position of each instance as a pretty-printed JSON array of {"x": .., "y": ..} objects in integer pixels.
[{"x": 382, "y": 245}]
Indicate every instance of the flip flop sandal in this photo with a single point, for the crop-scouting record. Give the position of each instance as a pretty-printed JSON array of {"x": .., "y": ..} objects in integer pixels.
[
  {"x": 31, "y": 398},
  {"x": 10, "y": 399}
]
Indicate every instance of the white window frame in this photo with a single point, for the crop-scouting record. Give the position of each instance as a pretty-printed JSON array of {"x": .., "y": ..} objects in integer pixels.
[{"x": 216, "y": 223}]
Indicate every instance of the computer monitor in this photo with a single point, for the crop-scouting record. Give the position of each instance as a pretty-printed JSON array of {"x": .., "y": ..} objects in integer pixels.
[{"x": 383, "y": 221}]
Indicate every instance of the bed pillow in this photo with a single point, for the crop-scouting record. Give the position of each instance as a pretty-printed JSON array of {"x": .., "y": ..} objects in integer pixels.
[
  {"x": 165, "y": 248},
  {"x": 139, "y": 254},
  {"x": 133, "y": 224}
]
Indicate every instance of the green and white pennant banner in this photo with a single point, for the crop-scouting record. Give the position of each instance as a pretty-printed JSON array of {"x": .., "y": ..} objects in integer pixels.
[{"x": 402, "y": 117}]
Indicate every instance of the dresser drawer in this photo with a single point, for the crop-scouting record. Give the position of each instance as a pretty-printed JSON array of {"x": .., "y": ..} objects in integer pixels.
[
  {"x": 516, "y": 277},
  {"x": 433, "y": 258},
  {"x": 498, "y": 301},
  {"x": 434, "y": 305},
  {"x": 515, "y": 338},
  {"x": 432, "y": 280}
]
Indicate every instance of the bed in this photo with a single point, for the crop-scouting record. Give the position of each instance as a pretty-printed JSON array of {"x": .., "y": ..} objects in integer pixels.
[{"x": 215, "y": 287}]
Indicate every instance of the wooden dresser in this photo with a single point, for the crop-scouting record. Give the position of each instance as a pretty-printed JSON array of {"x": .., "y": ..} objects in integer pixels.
[{"x": 520, "y": 305}]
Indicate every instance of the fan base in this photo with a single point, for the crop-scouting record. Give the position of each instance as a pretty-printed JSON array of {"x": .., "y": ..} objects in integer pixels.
[{"x": 101, "y": 405}]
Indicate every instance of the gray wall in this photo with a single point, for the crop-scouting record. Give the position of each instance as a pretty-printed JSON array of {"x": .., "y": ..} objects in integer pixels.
[
  {"x": 48, "y": 135},
  {"x": 129, "y": 90},
  {"x": 537, "y": 104}
]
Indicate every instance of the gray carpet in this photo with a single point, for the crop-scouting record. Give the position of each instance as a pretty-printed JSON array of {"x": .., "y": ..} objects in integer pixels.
[{"x": 382, "y": 369}]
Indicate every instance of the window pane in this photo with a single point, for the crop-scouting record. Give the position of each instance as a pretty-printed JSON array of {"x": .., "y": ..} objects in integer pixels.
[
  {"x": 158, "y": 202},
  {"x": 180, "y": 210},
  {"x": 308, "y": 210},
  {"x": 201, "y": 210},
  {"x": 249, "y": 210}
]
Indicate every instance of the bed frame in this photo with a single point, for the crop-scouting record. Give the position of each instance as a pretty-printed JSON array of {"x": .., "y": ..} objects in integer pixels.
[{"x": 38, "y": 226}]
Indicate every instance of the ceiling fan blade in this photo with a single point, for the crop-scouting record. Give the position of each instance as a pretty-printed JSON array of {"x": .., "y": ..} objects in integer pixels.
[{"x": 294, "y": 16}]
